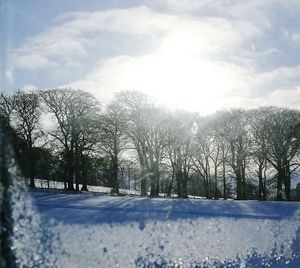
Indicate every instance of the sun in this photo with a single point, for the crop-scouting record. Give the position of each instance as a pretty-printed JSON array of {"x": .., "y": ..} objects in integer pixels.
[{"x": 179, "y": 78}]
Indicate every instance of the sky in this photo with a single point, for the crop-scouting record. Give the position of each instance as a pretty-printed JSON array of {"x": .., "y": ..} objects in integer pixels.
[{"x": 202, "y": 56}]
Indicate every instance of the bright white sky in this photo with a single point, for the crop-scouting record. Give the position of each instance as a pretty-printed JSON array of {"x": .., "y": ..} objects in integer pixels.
[{"x": 197, "y": 55}]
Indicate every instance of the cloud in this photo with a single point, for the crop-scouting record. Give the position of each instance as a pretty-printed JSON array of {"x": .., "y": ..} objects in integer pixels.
[
  {"x": 196, "y": 54},
  {"x": 283, "y": 78},
  {"x": 175, "y": 82},
  {"x": 82, "y": 32},
  {"x": 79, "y": 34},
  {"x": 30, "y": 62},
  {"x": 209, "y": 36},
  {"x": 295, "y": 37},
  {"x": 28, "y": 88},
  {"x": 253, "y": 10},
  {"x": 206, "y": 87},
  {"x": 279, "y": 97},
  {"x": 284, "y": 98}
]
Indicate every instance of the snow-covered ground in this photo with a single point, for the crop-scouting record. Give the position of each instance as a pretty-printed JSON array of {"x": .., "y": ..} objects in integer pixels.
[
  {"x": 43, "y": 184},
  {"x": 91, "y": 188},
  {"x": 97, "y": 230}
]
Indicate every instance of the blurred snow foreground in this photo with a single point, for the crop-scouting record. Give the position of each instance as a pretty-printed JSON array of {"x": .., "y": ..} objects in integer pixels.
[{"x": 55, "y": 229}]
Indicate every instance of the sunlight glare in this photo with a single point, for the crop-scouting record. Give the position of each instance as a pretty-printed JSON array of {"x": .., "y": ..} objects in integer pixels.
[{"x": 179, "y": 79}]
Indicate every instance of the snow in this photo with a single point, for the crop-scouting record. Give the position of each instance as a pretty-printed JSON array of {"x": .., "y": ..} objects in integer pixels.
[
  {"x": 97, "y": 230},
  {"x": 43, "y": 184}
]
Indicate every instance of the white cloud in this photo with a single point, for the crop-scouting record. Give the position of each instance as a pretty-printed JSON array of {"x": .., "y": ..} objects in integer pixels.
[
  {"x": 279, "y": 97},
  {"x": 202, "y": 54},
  {"x": 79, "y": 33},
  {"x": 284, "y": 78},
  {"x": 30, "y": 62},
  {"x": 9, "y": 75},
  {"x": 251, "y": 10},
  {"x": 295, "y": 37},
  {"x": 206, "y": 36},
  {"x": 28, "y": 88},
  {"x": 286, "y": 98}
]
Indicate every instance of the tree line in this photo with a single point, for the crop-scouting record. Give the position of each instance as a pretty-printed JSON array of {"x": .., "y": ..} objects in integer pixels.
[{"x": 66, "y": 135}]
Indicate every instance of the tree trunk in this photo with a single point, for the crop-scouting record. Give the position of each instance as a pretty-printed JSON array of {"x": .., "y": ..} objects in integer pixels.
[
  {"x": 84, "y": 183},
  {"x": 184, "y": 184},
  {"x": 115, "y": 182},
  {"x": 84, "y": 173},
  {"x": 238, "y": 185},
  {"x": 70, "y": 169},
  {"x": 264, "y": 190},
  {"x": 207, "y": 179},
  {"x": 260, "y": 183},
  {"x": 280, "y": 180},
  {"x": 287, "y": 183},
  {"x": 207, "y": 189},
  {"x": 157, "y": 176},
  {"x": 244, "y": 191},
  {"x": 65, "y": 176},
  {"x": 185, "y": 178},
  {"x": 77, "y": 171},
  {"x": 216, "y": 182},
  {"x": 32, "y": 167},
  {"x": 143, "y": 180},
  {"x": 154, "y": 191},
  {"x": 143, "y": 186},
  {"x": 179, "y": 183},
  {"x": 153, "y": 188},
  {"x": 224, "y": 181},
  {"x": 32, "y": 184},
  {"x": 171, "y": 184}
]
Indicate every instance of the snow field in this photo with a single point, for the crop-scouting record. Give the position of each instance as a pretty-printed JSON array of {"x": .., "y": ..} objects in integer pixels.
[{"x": 105, "y": 231}]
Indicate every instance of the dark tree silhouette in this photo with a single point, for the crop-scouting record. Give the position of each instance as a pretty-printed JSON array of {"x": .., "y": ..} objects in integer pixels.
[
  {"x": 113, "y": 139},
  {"x": 283, "y": 132},
  {"x": 175, "y": 151},
  {"x": 133, "y": 104},
  {"x": 180, "y": 135},
  {"x": 71, "y": 108},
  {"x": 26, "y": 115},
  {"x": 6, "y": 106}
]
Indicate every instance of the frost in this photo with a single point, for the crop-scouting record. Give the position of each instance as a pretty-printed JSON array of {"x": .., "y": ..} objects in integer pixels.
[{"x": 32, "y": 240}]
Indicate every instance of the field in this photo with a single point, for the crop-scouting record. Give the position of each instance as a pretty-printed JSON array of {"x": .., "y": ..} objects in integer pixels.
[{"x": 97, "y": 230}]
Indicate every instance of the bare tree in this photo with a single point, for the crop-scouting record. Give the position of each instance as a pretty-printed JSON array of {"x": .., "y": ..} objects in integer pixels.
[
  {"x": 155, "y": 133},
  {"x": 236, "y": 136},
  {"x": 282, "y": 132},
  {"x": 203, "y": 145},
  {"x": 218, "y": 125},
  {"x": 71, "y": 108},
  {"x": 86, "y": 144},
  {"x": 259, "y": 154},
  {"x": 6, "y": 106},
  {"x": 133, "y": 104},
  {"x": 146, "y": 129},
  {"x": 113, "y": 139},
  {"x": 217, "y": 157},
  {"x": 26, "y": 115},
  {"x": 180, "y": 133}
]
